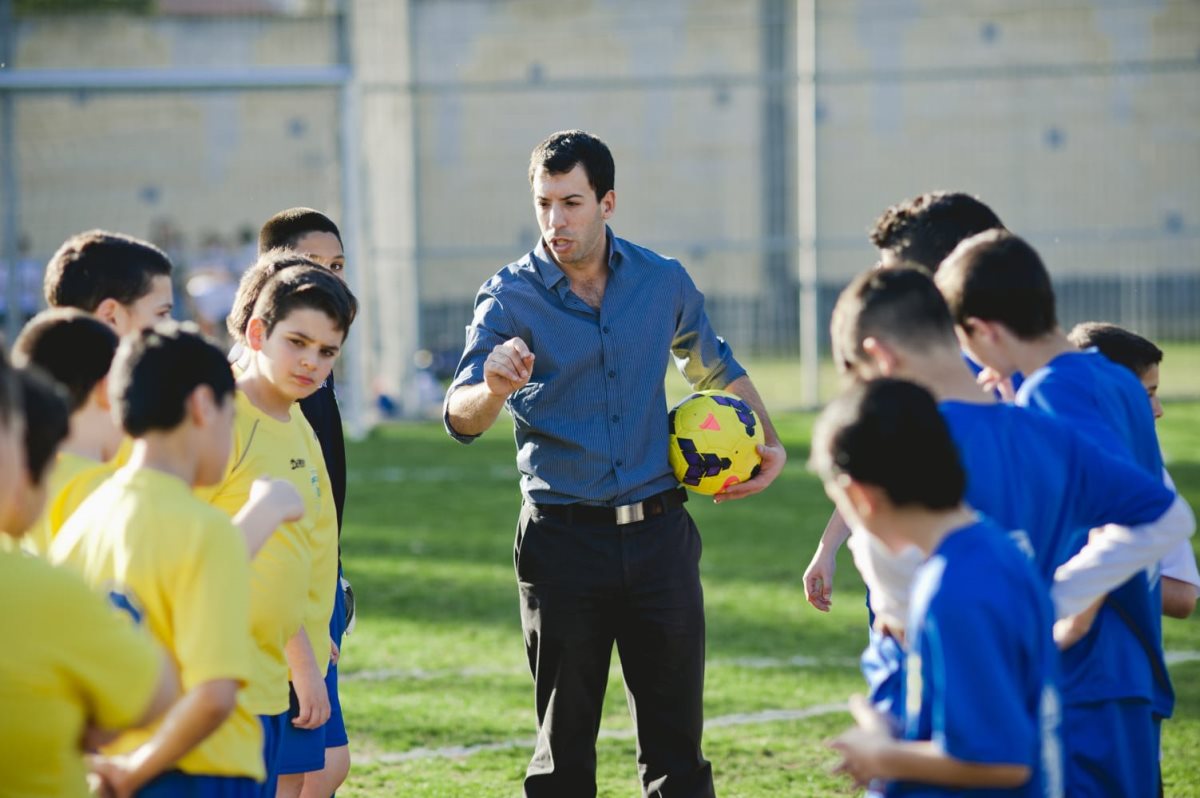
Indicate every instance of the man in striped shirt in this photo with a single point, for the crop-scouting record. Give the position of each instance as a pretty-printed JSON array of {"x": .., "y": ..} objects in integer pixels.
[{"x": 574, "y": 339}]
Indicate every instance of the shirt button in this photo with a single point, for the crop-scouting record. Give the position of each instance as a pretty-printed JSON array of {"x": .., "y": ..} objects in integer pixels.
[
  {"x": 604, "y": 329},
  {"x": 615, "y": 419},
  {"x": 620, "y": 463},
  {"x": 612, "y": 375}
]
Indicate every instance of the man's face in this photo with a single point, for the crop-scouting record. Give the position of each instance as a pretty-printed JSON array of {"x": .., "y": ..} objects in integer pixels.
[
  {"x": 570, "y": 217},
  {"x": 299, "y": 354},
  {"x": 323, "y": 249},
  {"x": 148, "y": 310},
  {"x": 1149, "y": 379}
]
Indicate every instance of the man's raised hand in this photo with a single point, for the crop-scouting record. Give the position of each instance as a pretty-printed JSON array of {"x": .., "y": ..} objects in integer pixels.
[{"x": 508, "y": 368}]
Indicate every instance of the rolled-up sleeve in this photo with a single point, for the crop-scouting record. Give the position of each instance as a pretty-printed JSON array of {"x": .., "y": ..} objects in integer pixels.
[
  {"x": 704, "y": 359},
  {"x": 487, "y": 330}
]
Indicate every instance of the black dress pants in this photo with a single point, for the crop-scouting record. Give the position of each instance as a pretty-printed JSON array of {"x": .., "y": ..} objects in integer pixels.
[{"x": 584, "y": 587}]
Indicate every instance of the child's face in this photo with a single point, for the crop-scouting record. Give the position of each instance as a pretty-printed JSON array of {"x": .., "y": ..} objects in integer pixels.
[
  {"x": 146, "y": 311},
  {"x": 325, "y": 250},
  {"x": 299, "y": 354},
  {"x": 1149, "y": 379}
]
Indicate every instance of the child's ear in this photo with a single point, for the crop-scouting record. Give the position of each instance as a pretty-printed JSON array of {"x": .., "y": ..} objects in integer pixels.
[
  {"x": 100, "y": 395},
  {"x": 884, "y": 356},
  {"x": 107, "y": 311},
  {"x": 256, "y": 334},
  {"x": 201, "y": 406}
]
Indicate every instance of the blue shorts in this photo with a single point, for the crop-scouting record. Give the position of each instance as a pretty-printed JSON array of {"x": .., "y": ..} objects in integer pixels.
[
  {"x": 300, "y": 750},
  {"x": 303, "y": 750},
  {"x": 272, "y": 726},
  {"x": 1109, "y": 749},
  {"x": 335, "y": 728},
  {"x": 177, "y": 784}
]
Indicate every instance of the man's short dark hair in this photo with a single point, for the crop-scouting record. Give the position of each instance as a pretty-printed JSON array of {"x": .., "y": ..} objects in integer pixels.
[
  {"x": 923, "y": 230},
  {"x": 306, "y": 287},
  {"x": 559, "y": 154},
  {"x": 286, "y": 228},
  {"x": 97, "y": 265},
  {"x": 1121, "y": 346},
  {"x": 47, "y": 420},
  {"x": 74, "y": 348},
  {"x": 996, "y": 276},
  {"x": 901, "y": 305},
  {"x": 253, "y": 280},
  {"x": 890, "y": 434},
  {"x": 156, "y": 370}
]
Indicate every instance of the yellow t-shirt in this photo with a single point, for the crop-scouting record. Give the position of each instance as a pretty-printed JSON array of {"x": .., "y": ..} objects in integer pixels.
[
  {"x": 71, "y": 661},
  {"x": 70, "y": 481},
  {"x": 178, "y": 566},
  {"x": 279, "y": 574}
]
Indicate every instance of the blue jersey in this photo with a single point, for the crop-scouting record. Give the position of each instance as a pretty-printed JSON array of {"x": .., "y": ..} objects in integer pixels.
[
  {"x": 1108, "y": 404},
  {"x": 1033, "y": 474},
  {"x": 981, "y": 674},
  {"x": 1049, "y": 485}
]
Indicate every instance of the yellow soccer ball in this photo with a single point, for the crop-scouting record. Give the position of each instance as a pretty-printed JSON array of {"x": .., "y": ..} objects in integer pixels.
[{"x": 713, "y": 440}]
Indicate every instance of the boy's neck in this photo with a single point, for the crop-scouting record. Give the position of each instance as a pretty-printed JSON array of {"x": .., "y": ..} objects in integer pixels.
[
  {"x": 925, "y": 528},
  {"x": 1029, "y": 356},
  {"x": 943, "y": 373},
  {"x": 263, "y": 395},
  {"x": 92, "y": 435},
  {"x": 171, "y": 453}
]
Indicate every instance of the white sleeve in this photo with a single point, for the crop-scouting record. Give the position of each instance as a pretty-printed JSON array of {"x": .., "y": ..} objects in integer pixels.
[
  {"x": 1180, "y": 564},
  {"x": 1110, "y": 558},
  {"x": 888, "y": 575}
]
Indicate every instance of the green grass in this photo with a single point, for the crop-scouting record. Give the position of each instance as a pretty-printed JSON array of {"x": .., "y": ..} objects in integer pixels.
[{"x": 437, "y": 660}]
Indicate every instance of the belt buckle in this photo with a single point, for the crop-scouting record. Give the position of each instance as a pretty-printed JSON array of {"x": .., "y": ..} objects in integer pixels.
[{"x": 631, "y": 513}]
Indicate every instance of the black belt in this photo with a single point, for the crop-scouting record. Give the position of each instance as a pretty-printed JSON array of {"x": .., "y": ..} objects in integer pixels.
[{"x": 656, "y": 505}]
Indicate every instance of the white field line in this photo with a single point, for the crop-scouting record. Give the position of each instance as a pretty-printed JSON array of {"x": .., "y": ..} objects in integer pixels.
[
  {"x": 751, "y": 663},
  {"x": 724, "y": 721}
]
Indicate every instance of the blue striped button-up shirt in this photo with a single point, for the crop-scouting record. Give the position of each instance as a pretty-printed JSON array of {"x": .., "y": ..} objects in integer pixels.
[{"x": 591, "y": 424}]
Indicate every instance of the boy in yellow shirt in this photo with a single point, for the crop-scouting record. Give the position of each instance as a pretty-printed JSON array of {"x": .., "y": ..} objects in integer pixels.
[
  {"x": 123, "y": 281},
  {"x": 300, "y": 315},
  {"x": 178, "y": 566},
  {"x": 76, "y": 350},
  {"x": 74, "y": 670}
]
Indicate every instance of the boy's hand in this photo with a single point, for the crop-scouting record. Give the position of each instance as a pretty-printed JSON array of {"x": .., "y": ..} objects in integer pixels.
[
  {"x": 313, "y": 697},
  {"x": 1073, "y": 628},
  {"x": 991, "y": 380},
  {"x": 281, "y": 496},
  {"x": 335, "y": 653},
  {"x": 818, "y": 580},
  {"x": 114, "y": 774},
  {"x": 863, "y": 747},
  {"x": 508, "y": 368}
]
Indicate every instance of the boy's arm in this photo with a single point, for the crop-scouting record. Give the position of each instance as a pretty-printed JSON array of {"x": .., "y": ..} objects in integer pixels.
[
  {"x": 272, "y": 502},
  {"x": 1117, "y": 553},
  {"x": 307, "y": 682},
  {"x": 818, "y": 577},
  {"x": 1178, "y": 598},
  {"x": 192, "y": 719},
  {"x": 868, "y": 755}
]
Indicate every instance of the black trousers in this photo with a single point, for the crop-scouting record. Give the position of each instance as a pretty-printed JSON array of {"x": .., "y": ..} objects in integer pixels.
[{"x": 583, "y": 588}]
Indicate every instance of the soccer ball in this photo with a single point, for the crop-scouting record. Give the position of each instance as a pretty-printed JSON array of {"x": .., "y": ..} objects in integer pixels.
[{"x": 713, "y": 440}]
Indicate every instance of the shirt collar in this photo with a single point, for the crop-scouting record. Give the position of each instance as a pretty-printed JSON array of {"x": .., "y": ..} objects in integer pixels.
[{"x": 552, "y": 275}]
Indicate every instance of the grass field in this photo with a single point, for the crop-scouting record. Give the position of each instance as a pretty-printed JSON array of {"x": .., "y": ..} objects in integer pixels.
[{"x": 437, "y": 696}]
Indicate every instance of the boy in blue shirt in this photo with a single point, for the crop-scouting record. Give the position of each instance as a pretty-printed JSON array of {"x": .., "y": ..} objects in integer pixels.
[
  {"x": 979, "y": 614},
  {"x": 1180, "y": 577},
  {"x": 1027, "y": 472},
  {"x": 1002, "y": 301}
]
